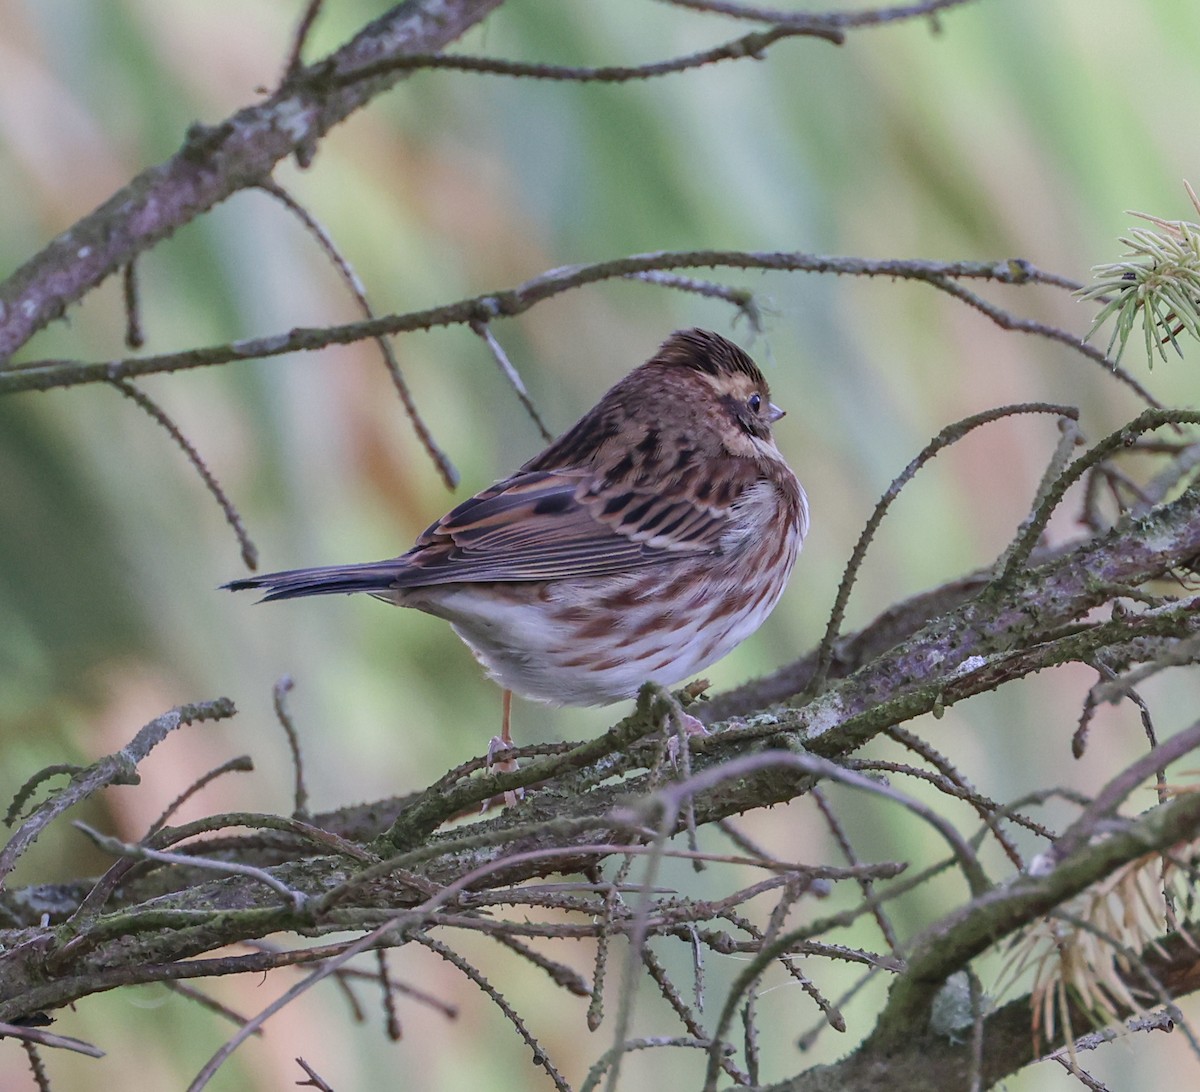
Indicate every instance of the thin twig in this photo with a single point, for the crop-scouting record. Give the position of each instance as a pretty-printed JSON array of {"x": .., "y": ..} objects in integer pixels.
[
  {"x": 240, "y": 764},
  {"x": 609, "y": 1059},
  {"x": 866, "y": 885},
  {"x": 949, "y": 435},
  {"x": 315, "y": 1080},
  {"x": 49, "y": 1039},
  {"x": 37, "y": 1067},
  {"x": 612, "y": 899},
  {"x": 1114, "y": 793},
  {"x": 303, "y": 28},
  {"x": 134, "y": 338},
  {"x": 688, "y": 1018},
  {"x": 279, "y": 697},
  {"x": 118, "y": 768},
  {"x": 985, "y": 807},
  {"x": 871, "y": 17},
  {"x": 229, "y": 868},
  {"x": 1018, "y": 553},
  {"x": 1007, "y": 321},
  {"x": 816, "y": 766},
  {"x": 559, "y": 973},
  {"x": 391, "y": 1020},
  {"x": 232, "y": 516},
  {"x": 214, "y": 162},
  {"x": 753, "y": 45},
  {"x": 23, "y": 794},
  {"x": 189, "y": 991},
  {"x": 48, "y": 374},
  {"x": 484, "y": 330},
  {"x": 539, "y": 1055},
  {"x": 440, "y": 459},
  {"x": 741, "y": 298}
]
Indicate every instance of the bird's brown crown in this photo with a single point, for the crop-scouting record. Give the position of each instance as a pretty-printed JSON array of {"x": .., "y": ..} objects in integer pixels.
[
  {"x": 709, "y": 353},
  {"x": 699, "y": 392}
]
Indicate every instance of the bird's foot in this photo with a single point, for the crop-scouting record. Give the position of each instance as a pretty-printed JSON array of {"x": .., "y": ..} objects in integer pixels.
[
  {"x": 498, "y": 748},
  {"x": 691, "y": 727}
]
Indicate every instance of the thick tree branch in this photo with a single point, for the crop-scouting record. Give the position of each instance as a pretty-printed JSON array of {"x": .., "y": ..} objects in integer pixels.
[
  {"x": 904, "y": 1047},
  {"x": 217, "y": 161},
  {"x": 984, "y": 642}
]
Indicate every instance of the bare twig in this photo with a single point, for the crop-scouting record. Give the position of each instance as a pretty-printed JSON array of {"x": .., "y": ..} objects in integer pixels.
[
  {"x": 439, "y": 458},
  {"x": 49, "y": 1039},
  {"x": 1089, "y": 822},
  {"x": 240, "y": 764},
  {"x": 133, "y": 312},
  {"x": 279, "y": 697},
  {"x": 213, "y": 163},
  {"x": 612, "y": 900},
  {"x": 742, "y": 298},
  {"x": 841, "y": 20},
  {"x": 183, "y": 989},
  {"x": 47, "y": 374},
  {"x": 540, "y": 1058},
  {"x": 752, "y": 45},
  {"x": 232, "y": 516},
  {"x": 512, "y": 375},
  {"x": 26, "y": 791},
  {"x": 391, "y": 1020},
  {"x": 559, "y": 973},
  {"x": 303, "y": 28},
  {"x": 119, "y": 768},
  {"x": 1018, "y": 553},
  {"x": 949, "y": 435},
  {"x": 227, "y": 868},
  {"x": 315, "y": 1080},
  {"x": 866, "y": 884},
  {"x": 610, "y": 1058},
  {"x": 1007, "y": 321}
]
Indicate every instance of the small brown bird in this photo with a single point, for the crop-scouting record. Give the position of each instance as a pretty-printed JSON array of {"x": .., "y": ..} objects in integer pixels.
[{"x": 644, "y": 544}]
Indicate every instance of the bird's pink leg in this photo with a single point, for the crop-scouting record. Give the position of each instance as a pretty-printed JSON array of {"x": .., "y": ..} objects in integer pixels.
[{"x": 500, "y": 744}]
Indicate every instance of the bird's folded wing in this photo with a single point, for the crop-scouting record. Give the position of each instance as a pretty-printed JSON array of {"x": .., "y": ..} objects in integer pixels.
[{"x": 540, "y": 525}]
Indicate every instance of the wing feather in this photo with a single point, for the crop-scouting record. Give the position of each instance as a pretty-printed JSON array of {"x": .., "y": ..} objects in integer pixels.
[{"x": 548, "y": 525}]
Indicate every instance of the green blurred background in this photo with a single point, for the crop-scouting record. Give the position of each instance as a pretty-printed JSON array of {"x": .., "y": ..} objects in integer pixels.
[{"x": 1024, "y": 128}]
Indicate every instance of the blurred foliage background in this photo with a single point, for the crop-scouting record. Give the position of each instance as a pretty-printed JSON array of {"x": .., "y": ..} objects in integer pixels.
[{"x": 1021, "y": 128}]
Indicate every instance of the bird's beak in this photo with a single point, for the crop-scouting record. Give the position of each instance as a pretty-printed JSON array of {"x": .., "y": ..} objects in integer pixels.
[{"x": 774, "y": 412}]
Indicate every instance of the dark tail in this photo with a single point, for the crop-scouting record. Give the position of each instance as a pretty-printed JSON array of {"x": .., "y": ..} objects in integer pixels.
[{"x": 377, "y": 576}]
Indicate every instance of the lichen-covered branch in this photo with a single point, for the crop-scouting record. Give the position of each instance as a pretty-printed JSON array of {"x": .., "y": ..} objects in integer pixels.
[
  {"x": 600, "y": 799},
  {"x": 217, "y": 161},
  {"x": 506, "y": 303}
]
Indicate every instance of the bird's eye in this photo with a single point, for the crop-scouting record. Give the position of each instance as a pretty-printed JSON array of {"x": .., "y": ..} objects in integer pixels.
[{"x": 754, "y": 402}]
